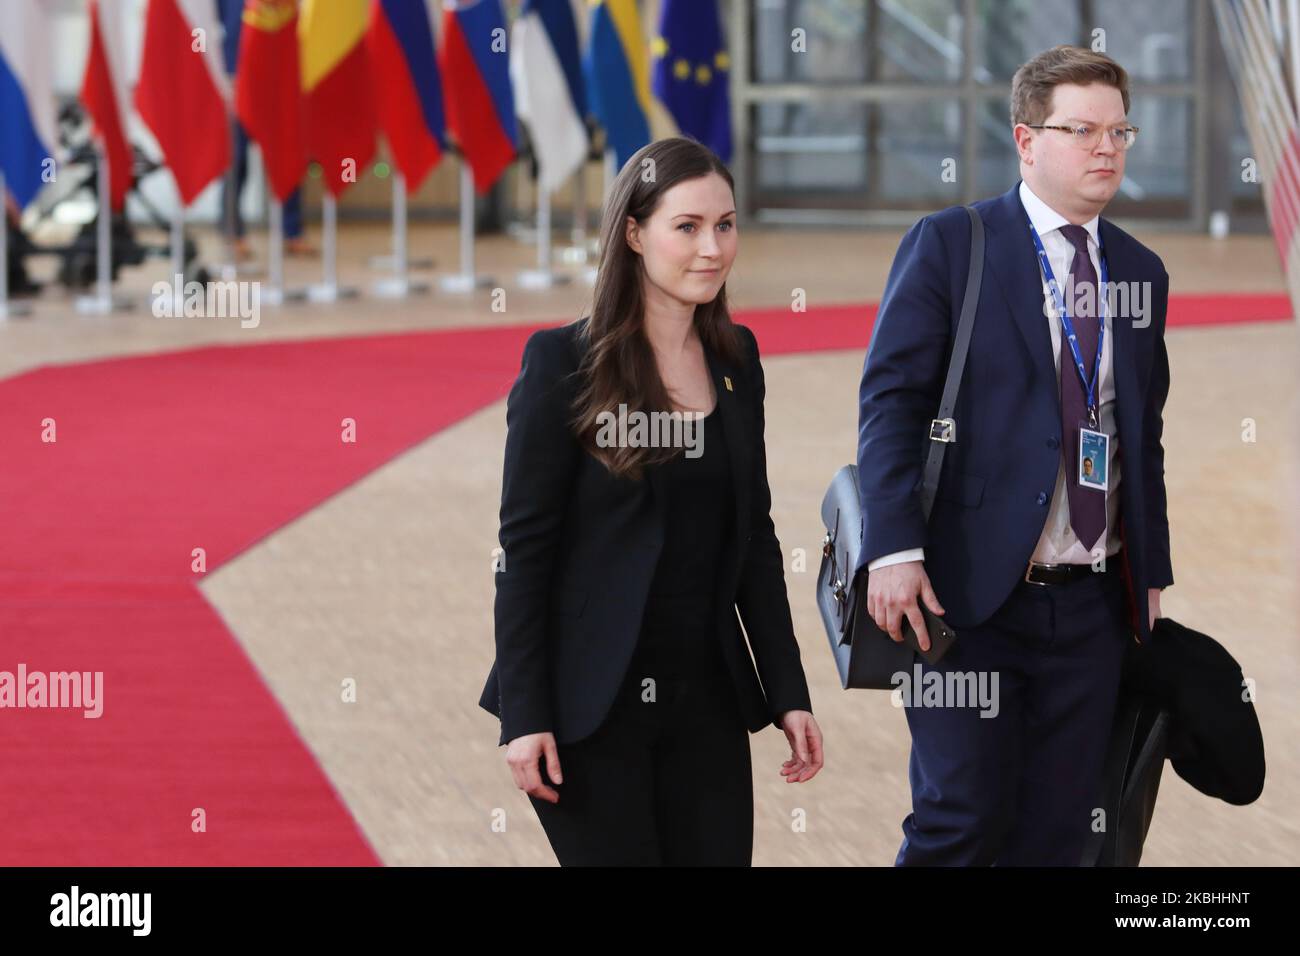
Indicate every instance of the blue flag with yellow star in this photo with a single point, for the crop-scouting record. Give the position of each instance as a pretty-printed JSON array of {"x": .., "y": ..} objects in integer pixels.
[{"x": 691, "y": 74}]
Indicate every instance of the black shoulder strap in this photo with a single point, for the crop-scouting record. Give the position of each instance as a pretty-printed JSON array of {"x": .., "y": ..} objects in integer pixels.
[{"x": 943, "y": 429}]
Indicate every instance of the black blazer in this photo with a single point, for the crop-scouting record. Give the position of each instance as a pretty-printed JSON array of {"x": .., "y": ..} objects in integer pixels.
[{"x": 580, "y": 549}]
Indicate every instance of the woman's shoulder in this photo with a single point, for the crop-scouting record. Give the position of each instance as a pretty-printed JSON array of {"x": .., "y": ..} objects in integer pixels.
[
  {"x": 748, "y": 341},
  {"x": 557, "y": 348}
]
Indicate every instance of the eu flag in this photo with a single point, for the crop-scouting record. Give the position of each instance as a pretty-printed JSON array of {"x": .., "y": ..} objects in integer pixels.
[{"x": 692, "y": 71}]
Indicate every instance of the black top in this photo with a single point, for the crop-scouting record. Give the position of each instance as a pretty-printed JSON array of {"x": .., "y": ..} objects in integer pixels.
[
  {"x": 678, "y": 630},
  {"x": 699, "y": 505}
]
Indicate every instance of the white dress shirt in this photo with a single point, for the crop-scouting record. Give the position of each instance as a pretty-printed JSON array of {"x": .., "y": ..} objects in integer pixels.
[{"x": 1058, "y": 544}]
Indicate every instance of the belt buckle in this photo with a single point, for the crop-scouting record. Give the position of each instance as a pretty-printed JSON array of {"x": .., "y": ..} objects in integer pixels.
[{"x": 1029, "y": 569}]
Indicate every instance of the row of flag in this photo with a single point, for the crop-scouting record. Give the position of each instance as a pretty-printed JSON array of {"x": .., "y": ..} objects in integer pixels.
[{"x": 320, "y": 79}]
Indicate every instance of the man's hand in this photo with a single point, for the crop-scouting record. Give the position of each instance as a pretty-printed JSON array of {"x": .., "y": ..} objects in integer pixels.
[
  {"x": 891, "y": 594},
  {"x": 805, "y": 737},
  {"x": 523, "y": 753},
  {"x": 1153, "y": 606}
]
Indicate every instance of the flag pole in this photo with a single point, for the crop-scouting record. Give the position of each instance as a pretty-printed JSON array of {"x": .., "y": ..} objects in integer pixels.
[
  {"x": 103, "y": 301},
  {"x": 277, "y": 294},
  {"x": 7, "y": 309},
  {"x": 580, "y": 253},
  {"x": 399, "y": 285},
  {"x": 178, "y": 257},
  {"x": 389, "y": 261},
  {"x": 579, "y": 234},
  {"x": 611, "y": 171},
  {"x": 329, "y": 290},
  {"x": 230, "y": 268},
  {"x": 543, "y": 277},
  {"x": 466, "y": 280}
]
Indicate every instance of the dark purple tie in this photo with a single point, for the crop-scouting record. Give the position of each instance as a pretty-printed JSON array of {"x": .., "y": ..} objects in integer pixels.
[{"x": 1087, "y": 507}]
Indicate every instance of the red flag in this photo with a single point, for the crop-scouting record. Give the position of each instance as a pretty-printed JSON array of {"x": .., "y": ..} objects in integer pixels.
[
  {"x": 182, "y": 92},
  {"x": 104, "y": 94},
  {"x": 338, "y": 90},
  {"x": 267, "y": 98}
]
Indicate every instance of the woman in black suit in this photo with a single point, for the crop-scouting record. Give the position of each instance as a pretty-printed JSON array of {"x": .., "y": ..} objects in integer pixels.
[{"x": 624, "y": 685}]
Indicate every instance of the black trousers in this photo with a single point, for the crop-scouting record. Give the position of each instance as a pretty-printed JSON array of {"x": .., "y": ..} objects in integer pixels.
[{"x": 666, "y": 779}]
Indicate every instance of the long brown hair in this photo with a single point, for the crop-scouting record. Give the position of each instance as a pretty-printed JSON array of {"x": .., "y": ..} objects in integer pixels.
[{"x": 619, "y": 364}]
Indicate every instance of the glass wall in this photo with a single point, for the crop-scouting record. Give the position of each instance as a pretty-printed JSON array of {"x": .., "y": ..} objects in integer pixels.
[{"x": 872, "y": 110}]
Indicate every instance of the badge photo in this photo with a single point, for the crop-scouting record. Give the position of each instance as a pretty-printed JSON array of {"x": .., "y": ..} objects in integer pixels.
[{"x": 1093, "y": 458}]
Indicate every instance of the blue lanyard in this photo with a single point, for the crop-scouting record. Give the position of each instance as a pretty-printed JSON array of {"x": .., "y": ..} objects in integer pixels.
[{"x": 1090, "y": 386}]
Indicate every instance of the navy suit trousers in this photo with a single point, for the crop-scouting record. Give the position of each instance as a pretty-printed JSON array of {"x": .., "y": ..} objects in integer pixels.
[{"x": 1022, "y": 787}]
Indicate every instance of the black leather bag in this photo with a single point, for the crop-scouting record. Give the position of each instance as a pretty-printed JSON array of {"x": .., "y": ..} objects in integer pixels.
[
  {"x": 865, "y": 655},
  {"x": 1135, "y": 757}
]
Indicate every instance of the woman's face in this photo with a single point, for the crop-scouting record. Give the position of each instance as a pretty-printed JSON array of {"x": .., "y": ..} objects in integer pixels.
[{"x": 689, "y": 242}]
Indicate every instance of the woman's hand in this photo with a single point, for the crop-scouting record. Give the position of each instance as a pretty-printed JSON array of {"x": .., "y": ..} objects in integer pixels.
[
  {"x": 523, "y": 754},
  {"x": 805, "y": 738}
]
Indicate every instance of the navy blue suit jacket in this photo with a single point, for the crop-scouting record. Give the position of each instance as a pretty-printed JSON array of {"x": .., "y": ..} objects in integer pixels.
[{"x": 997, "y": 481}]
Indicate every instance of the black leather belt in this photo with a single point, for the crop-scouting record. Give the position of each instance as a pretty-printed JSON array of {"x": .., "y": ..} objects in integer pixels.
[{"x": 1044, "y": 574}]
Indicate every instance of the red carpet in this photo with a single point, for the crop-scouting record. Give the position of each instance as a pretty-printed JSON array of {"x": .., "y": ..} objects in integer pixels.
[{"x": 215, "y": 448}]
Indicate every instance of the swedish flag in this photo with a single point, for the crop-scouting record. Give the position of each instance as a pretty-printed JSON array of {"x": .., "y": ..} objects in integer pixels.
[
  {"x": 692, "y": 72},
  {"x": 618, "y": 77}
]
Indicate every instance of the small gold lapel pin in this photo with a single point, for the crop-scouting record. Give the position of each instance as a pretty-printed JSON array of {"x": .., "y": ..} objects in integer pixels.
[{"x": 727, "y": 381}]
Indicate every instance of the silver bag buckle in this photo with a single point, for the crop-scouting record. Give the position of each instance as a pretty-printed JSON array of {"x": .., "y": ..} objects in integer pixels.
[{"x": 943, "y": 429}]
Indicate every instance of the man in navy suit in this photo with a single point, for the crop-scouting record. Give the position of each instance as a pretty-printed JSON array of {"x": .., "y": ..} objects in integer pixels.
[{"x": 1046, "y": 572}]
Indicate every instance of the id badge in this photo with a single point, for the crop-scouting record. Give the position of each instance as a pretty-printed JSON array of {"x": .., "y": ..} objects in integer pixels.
[{"x": 1094, "y": 456}]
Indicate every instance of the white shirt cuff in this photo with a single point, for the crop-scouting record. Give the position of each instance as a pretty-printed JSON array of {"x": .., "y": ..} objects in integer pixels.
[{"x": 898, "y": 557}]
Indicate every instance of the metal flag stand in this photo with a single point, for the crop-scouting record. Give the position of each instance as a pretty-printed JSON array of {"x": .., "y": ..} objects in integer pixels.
[
  {"x": 583, "y": 248},
  {"x": 178, "y": 258},
  {"x": 329, "y": 290},
  {"x": 466, "y": 280},
  {"x": 276, "y": 293},
  {"x": 7, "y": 309},
  {"x": 389, "y": 262},
  {"x": 543, "y": 277},
  {"x": 400, "y": 284},
  {"x": 102, "y": 302}
]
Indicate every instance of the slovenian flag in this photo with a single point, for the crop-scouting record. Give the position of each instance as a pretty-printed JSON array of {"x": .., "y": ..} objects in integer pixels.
[
  {"x": 268, "y": 99},
  {"x": 691, "y": 72},
  {"x": 410, "y": 93},
  {"x": 618, "y": 77},
  {"x": 27, "y": 129},
  {"x": 546, "y": 74},
  {"x": 183, "y": 94},
  {"x": 338, "y": 89},
  {"x": 480, "y": 108}
]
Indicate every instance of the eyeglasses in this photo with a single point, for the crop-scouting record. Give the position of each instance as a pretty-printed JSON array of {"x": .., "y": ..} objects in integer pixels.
[{"x": 1087, "y": 137}]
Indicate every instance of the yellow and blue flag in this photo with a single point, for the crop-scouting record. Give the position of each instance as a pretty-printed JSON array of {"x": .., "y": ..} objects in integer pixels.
[{"x": 618, "y": 76}]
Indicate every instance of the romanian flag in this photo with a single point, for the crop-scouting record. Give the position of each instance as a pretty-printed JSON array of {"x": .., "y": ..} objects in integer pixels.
[
  {"x": 183, "y": 93},
  {"x": 410, "y": 93},
  {"x": 480, "y": 108},
  {"x": 692, "y": 71},
  {"x": 338, "y": 91},
  {"x": 268, "y": 99},
  {"x": 618, "y": 76}
]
